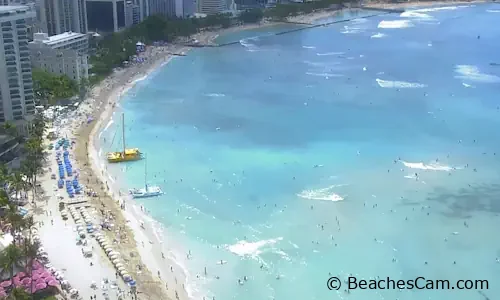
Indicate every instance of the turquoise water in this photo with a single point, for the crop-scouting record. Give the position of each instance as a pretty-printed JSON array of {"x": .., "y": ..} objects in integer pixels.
[{"x": 256, "y": 144}]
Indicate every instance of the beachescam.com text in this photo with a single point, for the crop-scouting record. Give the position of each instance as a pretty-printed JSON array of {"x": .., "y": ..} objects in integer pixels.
[{"x": 419, "y": 283}]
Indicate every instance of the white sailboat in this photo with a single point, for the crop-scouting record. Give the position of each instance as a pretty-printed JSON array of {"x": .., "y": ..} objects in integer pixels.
[{"x": 148, "y": 190}]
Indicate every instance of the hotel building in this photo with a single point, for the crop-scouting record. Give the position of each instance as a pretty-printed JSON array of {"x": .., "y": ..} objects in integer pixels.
[
  {"x": 62, "y": 54},
  {"x": 16, "y": 85}
]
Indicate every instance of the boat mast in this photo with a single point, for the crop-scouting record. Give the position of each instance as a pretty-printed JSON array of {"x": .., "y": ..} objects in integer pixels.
[
  {"x": 145, "y": 174},
  {"x": 123, "y": 132}
]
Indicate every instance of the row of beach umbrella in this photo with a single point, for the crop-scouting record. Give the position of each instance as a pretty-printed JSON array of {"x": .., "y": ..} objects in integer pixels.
[{"x": 114, "y": 256}]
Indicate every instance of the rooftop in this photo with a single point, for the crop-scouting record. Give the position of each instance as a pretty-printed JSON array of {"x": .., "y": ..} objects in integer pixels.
[
  {"x": 12, "y": 9},
  {"x": 58, "y": 38}
]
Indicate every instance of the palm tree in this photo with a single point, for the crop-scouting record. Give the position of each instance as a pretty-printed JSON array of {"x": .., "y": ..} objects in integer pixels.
[
  {"x": 10, "y": 258},
  {"x": 15, "y": 219},
  {"x": 17, "y": 182},
  {"x": 30, "y": 253}
]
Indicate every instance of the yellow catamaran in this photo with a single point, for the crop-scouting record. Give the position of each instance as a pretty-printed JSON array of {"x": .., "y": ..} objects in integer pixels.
[{"x": 127, "y": 154}]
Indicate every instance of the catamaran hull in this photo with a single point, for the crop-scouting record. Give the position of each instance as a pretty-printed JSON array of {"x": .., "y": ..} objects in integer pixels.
[{"x": 136, "y": 196}]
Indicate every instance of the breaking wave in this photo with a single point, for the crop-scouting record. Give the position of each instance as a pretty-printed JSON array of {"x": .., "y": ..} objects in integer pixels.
[
  {"x": 329, "y": 53},
  {"x": 472, "y": 73},
  {"x": 395, "y": 24},
  {"x": 378, "y": 35},
  {"x": 399, "y": 84},
  {"x": 244, "y": 248},
  {"x": 325, "y": 194},
  {"x": 431, "y": 167}
]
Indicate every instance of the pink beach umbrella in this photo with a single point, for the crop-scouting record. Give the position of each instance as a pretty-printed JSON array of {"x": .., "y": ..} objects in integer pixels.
[
  {"x": 21, "y": 274},
  {"x": 3, "y": 294},
  {"x": 26, "y": 281},
  {"x": 17, "y": 283},
  {"x": 6, "y": 283},
  {"x": 53, "y": 283},
  {"x": 41, "y": 286},
  {"x": 39, "y": 281},
  {"x": 50, "y": 278},
  {"x": 45, "y": 274},
  {"x": 35, "y": 276}
]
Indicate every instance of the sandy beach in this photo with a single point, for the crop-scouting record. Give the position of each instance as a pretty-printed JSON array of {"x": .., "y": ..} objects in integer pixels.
[{"x": 149, "y": 259}]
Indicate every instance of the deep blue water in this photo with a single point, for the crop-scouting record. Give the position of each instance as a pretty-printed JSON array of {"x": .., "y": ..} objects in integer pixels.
[{"x": 265, "y": 135}]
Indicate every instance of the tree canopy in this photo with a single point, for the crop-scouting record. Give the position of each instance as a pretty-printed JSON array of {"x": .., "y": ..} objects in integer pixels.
[{"x": 49, "y": 87}]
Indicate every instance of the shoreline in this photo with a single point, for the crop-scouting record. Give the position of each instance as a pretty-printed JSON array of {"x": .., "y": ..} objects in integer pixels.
[{"x": 107, "y": 94}]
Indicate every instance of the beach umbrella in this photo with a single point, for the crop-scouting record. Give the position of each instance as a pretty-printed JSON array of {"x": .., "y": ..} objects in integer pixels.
[
  {"x": 131, "y": 283},
  {"x": 35, "y": 277},
  {"x": 50, "y": 278},
  {"x": 21, "y": 274},
  {"x": 46, "y": 274},
  {"x": 123, "y": 272},
  {"x": 116, "y": 260},
  {"x": 5, "y": 283},
  {"x": 52, "y": 283},
  {"x": 108, "y": 249},
  {"x": 26, "y": 280},
  {"x": 113, "y": 256},
  {"x": 2, "y": 293},
  {"x": 40, "y": 286},
  {"x": 127, "y": 278},
  {"x": 120, "y": 268}
]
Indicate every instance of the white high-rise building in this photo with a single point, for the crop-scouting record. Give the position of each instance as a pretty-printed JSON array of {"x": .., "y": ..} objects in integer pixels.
[
  {"x": 212, "y": 6},
  {"x": 59, "y": 16},
  {"x": 62, "y": 54},
  {"x": 16, "y": 85}
]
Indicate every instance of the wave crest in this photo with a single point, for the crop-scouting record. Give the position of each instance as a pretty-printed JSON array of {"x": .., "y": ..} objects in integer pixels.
[
  {"x": 473, "y": 73},
  {"x": 395, "y": 24},
  {"x": 399, "y": 84},
  {"x": 325, "y": 194}
]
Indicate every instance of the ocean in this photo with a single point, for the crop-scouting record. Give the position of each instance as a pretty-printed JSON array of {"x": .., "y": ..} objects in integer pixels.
[{"x": 368, "y": 148}]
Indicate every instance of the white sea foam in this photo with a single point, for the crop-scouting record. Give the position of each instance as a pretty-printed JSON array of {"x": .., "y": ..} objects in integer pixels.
[
  {"x": 329, "y": 53},
  {"x": 325, "y": 194},
  {"x": 308, "y": 47},
  {"x": 351, "y": 30},
  {"x": 325, "y": 75},
  {"x": 247, "y": 44},
  {"x": 215, "y": 95},
  {"x": 399, "y": 84},
  {"x": 432, "y": 9},
  {"x": 244, "y": 248},
  {"x": 472, "y": 73},
  {"x": 493, "y": 10},
  {"x": 378, "y": 35},
  {"x": 395, "y": 24},
  {"x": 431, "y": 166},
  {"x": 415, "y": 14}
]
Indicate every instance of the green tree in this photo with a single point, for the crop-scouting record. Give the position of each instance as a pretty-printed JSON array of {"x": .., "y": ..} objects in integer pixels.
[
  {"x": 49, "y": 88},
  {"x": 253, "y": 15},
  {"x": 19, "y": 294},
  {"x": 10, "y": 257}
]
